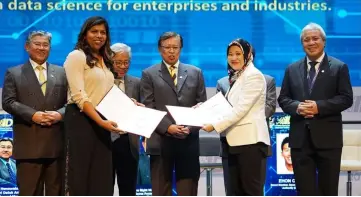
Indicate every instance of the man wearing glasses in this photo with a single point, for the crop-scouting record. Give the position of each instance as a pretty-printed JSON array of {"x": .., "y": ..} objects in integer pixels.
[
  {"x": 173, "y": 146},
  {"x": 125, "y": 145},
  {"x": 35, "y": 94}
]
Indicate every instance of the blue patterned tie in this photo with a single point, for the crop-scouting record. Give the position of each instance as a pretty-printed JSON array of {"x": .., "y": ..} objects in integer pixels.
[
  {"x": 11, "y": 173},
  {"x": 311, "y": 75}
]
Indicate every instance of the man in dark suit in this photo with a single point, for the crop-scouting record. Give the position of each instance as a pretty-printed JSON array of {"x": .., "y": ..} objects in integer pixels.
[
  {"x": 35, "y": 94},
  {"x": 223, "y": 86},
  {"x": 7, "y": 164},
  {"x": 315, "y": 90},
  {"x": 125, "y": 145},
  {"x": 173, "y": 146}
]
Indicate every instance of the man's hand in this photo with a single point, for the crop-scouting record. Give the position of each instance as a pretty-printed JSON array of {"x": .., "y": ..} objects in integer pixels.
[
  {"x": 178, "y": 131},
  {"x": 307, "y": 109},
  {"x": 40, "y": 118},
  {"x": 208, "y": 127},
  {"x": 52, "y": 116},
  {"x": 312, "y": 109},
  {"x": 198, "y": 104},
  {"x": 137, "y": 103}
]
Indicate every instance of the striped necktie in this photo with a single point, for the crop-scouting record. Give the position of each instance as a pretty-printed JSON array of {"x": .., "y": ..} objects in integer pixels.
[
  {"x": 42, "y": 81},
  {"x": 173, "y": 75}
]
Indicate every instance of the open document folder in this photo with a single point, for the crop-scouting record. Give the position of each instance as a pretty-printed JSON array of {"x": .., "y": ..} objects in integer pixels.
[
  {"x": 211, "y": 111},
  {"x": 118, "y": 107}
]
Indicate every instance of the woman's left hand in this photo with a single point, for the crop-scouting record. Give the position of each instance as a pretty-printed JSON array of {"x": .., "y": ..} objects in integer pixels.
[{"x": 208, "y": 127}]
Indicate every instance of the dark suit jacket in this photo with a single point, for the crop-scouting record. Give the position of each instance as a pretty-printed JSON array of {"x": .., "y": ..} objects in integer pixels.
[
  {"x": 4, "y": 173},
  {"x": 332, "y": 92},
  {"x": 158, "y": 90},
  {"x": 22, "y": 97},
  {"x": 132, "y": 90}
]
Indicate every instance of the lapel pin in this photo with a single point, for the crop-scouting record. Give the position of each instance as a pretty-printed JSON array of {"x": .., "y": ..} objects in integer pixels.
[
  {"x": 322, "y": 71},
  {"x": 180, "y": 77}
]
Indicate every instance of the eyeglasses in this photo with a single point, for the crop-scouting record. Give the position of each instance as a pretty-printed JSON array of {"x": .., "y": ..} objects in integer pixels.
[
  {"x": 39, "y": 45},
  {"x": 122, "y": 64},
  {"x": 308, "y": 39},
  {"x": 168, "y": 48}
]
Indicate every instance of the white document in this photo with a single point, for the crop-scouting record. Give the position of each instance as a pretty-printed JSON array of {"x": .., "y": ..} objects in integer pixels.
[
  {"x": 184, "y": 116},
  {"x": 118, "y": 107},
  {"x": 214, "y": 109},
  {"x": 209, "y": 112}
]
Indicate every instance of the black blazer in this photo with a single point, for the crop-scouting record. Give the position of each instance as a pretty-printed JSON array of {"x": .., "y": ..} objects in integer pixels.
[
  {"x": 132, "y": 90},
  {"x": 22, "y": 97},
  {"x": 332, "y": 92},
  {"x": 158, "y": 90}
]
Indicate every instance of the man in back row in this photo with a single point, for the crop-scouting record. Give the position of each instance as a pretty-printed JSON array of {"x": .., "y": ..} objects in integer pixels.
[{"x": 125, "y": 145}]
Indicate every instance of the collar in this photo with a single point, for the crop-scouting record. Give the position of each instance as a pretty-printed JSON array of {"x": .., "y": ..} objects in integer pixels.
[
  {"x": 319, "y": 60},
  {"x": 119, "y": 80},
  {"x": 4, "y": 161},
  {"x": 34, "y": 64},
  {"x": 176, "y": 65}
]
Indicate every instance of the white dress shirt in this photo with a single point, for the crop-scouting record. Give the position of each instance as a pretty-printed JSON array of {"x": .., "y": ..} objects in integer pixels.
[
  {"x": 317, "y": 66},
  {"x": 34, "y": 65}
]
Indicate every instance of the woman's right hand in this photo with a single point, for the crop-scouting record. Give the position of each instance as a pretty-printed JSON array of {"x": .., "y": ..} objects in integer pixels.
[{"x": 110, "y": 126}]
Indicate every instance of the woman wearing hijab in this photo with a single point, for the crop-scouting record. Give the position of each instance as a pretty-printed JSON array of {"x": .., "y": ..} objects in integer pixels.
[{"x": 244, "y": 131}]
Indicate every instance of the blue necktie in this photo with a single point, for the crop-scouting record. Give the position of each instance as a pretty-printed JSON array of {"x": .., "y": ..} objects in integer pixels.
[
  {"x": 11, "y": 173},
  {"x": 311, "y": 75}
]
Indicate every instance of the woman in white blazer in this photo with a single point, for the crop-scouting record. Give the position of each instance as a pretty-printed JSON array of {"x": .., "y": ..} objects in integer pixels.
[{"x": 244, "y": 131}]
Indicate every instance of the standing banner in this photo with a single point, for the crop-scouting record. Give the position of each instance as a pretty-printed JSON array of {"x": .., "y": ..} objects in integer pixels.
[
  {"x": 280, "y": 180},
  {"x": 8, "y": 185}
]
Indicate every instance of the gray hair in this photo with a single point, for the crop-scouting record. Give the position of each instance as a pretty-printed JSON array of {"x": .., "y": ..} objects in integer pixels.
[
  {"x": 121, "y": 48},
  {"x": 313, "y": 26},
  {"x": 38, "y": 33}
]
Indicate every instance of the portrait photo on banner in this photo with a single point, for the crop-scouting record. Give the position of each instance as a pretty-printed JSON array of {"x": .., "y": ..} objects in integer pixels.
[{"x": 284, "y": 161}]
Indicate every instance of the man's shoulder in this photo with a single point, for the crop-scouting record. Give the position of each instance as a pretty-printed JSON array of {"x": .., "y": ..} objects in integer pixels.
[
  {"x": 190, "y": 67},
  {"x": 223, "y": 80},
  {"x": 56, "y": 67},
  {"x": 152, "y": 68},
  {"x": 268, "y": 77},
  {"x": 295, "y": 64},
  {"x": 334, "y": 61},
  {"x": 133, "y": 78},
  {"x": 59, "y": 70},
  {"x": 16, "y": 69}
]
